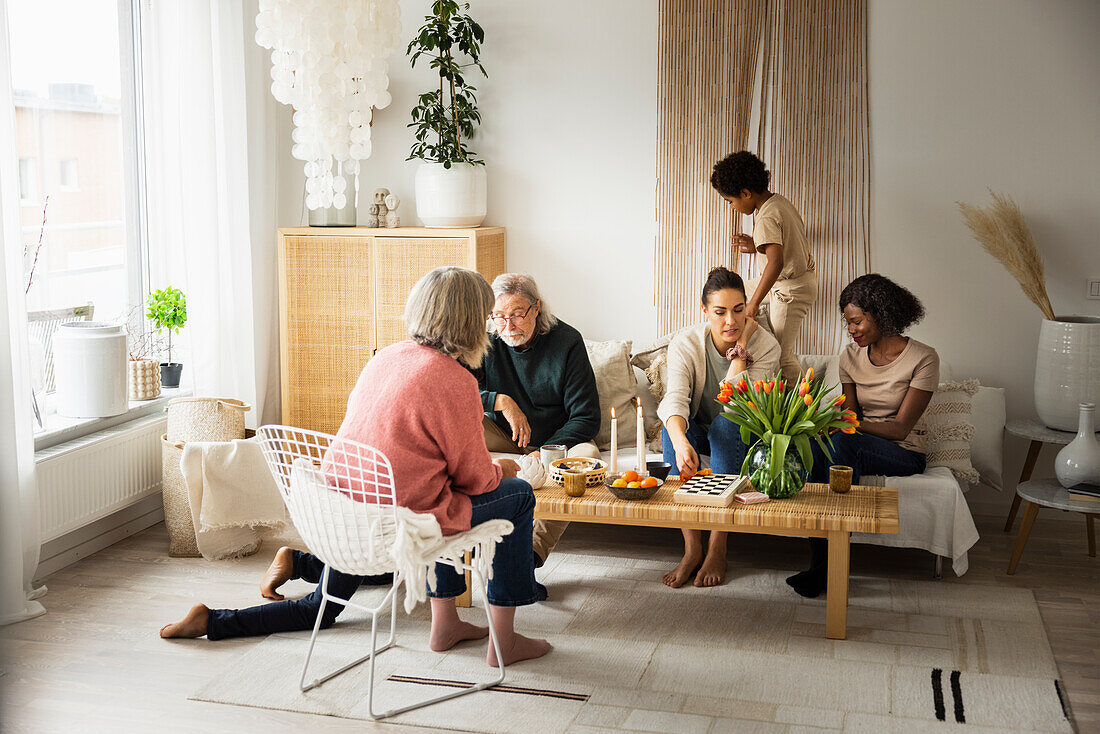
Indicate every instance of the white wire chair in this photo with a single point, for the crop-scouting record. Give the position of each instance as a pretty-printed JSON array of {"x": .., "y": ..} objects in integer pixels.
[{"x": 340, "y": 496}]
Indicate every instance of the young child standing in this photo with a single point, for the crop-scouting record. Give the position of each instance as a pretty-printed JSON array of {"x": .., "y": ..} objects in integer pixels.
[{"x": 789, "y": 280}]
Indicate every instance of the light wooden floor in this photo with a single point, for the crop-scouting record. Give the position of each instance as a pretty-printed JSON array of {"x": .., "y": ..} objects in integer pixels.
[{"x": 94, "y": 662}]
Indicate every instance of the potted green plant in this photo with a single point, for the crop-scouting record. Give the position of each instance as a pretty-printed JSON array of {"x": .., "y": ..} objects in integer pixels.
[
  {"x": 781, "y": 416},
  {"x": 167, "y": 309},
  {"x": 450, "y": 182}
]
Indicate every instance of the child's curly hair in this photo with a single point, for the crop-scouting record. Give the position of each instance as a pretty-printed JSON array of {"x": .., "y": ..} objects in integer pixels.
[
  {"x": 893, "y": 307},
  {"x": 739, "y": 171}
]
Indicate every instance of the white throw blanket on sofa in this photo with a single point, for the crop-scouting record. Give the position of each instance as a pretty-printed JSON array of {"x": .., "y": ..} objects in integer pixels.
[{"x": 934, "y": 516}]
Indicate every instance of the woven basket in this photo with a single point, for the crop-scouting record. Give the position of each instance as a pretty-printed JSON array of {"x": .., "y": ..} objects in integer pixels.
[
  {"x": 177, "y": 507},
  {"x": 206, "y": 419},
  {"x": 182, "y": 542}
]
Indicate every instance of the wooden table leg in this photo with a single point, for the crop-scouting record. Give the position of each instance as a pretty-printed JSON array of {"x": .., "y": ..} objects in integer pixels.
[
  {"x": 1030, "y": 511},
  {"x": 464, "y": 599},
  {"x": 1091, "y": 530},
  {"x": 1025, "y": 474},
  {"x": 836, "y": 594}
]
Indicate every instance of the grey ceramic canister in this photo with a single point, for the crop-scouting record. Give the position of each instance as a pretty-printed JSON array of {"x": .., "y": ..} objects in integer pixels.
[{"x": 1079, "y": 462}]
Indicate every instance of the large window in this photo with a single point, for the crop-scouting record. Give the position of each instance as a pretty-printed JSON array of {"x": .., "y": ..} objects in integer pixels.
[{"x": 75, "y": 85}]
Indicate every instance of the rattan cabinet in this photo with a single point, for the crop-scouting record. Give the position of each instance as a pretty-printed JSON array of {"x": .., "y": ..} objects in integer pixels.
[{"x": 341, "y": 297}]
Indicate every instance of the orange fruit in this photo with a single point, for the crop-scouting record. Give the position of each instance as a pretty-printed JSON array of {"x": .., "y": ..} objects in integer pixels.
[
  {"x": 631, "y": 476},
  {"x": 649, "y": 482},
  {"x": 634, "y": 485},
  {"x": 620, "y": 482}
]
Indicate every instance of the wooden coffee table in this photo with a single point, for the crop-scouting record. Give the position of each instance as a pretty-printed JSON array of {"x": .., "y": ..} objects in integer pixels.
[{"x": 815, "y": 512}]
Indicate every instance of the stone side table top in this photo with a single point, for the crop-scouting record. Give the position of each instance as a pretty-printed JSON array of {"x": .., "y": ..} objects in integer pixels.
[
  {"x": 1049, "y": 493},
  {"x": 1036, "y": 431}
]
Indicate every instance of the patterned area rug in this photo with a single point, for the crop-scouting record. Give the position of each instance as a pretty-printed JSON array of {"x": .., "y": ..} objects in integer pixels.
[{"x": 633, "y": 655}]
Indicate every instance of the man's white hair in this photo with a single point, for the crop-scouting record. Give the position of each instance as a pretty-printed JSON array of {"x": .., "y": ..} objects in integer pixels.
[{"x": 519, "y": 284}]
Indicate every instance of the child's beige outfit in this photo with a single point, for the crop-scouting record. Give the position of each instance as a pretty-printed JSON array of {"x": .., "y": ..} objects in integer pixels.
[{"x": 777, "y": 222}]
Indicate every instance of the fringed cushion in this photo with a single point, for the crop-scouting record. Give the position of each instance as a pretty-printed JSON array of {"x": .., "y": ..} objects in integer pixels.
[{"x": 949, "y": 429}]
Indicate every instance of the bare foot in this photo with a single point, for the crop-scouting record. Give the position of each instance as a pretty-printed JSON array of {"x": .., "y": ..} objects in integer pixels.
[
  {"x": 713, "y": 571},
  {"x": 521, "y": 648},
  {"x": 193, "y": 625},
  {"x": 278, "y": 573},
  {"x": 443, "y": 640},
  {"x": 678, "y": 576}
]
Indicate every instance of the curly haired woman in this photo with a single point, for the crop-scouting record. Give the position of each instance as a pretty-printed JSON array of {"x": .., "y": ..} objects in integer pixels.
[{"x": 888, "y": 380}]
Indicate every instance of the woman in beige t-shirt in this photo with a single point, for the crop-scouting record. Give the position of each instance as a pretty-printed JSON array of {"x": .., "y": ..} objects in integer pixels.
[{"x": 888, "y": 379}]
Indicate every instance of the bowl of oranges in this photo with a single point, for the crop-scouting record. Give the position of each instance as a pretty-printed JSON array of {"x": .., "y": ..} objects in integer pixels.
[{"x": 632, "y": 486}]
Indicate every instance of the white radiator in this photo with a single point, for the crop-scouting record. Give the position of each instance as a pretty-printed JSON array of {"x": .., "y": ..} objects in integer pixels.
[{"x": 86, "y": 479}]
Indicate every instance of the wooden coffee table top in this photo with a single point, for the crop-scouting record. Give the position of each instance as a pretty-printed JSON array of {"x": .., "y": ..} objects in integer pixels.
[{"x": 814, "y": 511}]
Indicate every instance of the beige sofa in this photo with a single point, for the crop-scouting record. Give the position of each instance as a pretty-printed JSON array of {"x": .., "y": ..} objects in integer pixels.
[{"x": 932, "y": 506}]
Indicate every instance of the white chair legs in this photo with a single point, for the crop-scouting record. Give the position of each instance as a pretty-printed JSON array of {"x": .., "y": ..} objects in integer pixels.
[{"x": 391, "y": 600}]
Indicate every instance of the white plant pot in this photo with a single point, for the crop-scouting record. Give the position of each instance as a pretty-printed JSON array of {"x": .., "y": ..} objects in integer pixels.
[
  {"x": 1079, "y": 462},
  {"x": 1067, "y": 369},
  {"x": 90, "y": 369},
  {"x": 450, "y": 197}
]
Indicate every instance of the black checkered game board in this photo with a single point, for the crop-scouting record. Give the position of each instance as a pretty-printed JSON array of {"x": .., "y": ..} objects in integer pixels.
[{"x": 716, "y": 490}]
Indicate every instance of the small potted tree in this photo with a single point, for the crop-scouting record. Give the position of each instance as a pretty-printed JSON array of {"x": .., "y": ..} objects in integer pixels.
[
  {"x": 167, "y": 309},
  {"x": 450, "y": 183}
]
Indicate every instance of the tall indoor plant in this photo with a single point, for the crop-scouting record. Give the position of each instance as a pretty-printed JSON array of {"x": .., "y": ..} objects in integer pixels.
[
  {"x": 782, "y": 417},
  {"x": 450, "y": 182},
  {"x": 167, "y": 309}
]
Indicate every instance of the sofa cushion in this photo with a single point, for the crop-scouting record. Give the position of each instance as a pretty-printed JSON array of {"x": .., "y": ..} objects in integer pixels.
[
  {"x": 947, "y": 420},
  {"x": 987, "y": 413},
  {"x": 617, "y": 385}
]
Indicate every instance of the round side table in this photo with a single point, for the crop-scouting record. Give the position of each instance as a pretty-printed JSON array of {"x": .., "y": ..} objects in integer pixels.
[
  {"x": 1039, "y": 434},
  {"x": 1048, "y": 493}
]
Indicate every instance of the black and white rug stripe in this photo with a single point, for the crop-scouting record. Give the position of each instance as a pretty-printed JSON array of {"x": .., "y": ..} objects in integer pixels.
[{"x": 939, "y": 702}]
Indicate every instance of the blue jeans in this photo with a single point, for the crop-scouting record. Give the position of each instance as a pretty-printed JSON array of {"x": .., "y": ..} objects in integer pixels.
[
  {"x": 513, "y": 582},
  {"x": 866, "y": 454},
  {"x": 722, "y": 443},
  {"x": 289, "y": 615}
]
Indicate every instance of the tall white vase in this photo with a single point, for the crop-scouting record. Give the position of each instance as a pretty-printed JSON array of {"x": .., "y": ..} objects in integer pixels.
[
  {"x": 1067, "y": 369},
  {"x": 1080, "y": 460},
  {"x": 450, "y": 197}
]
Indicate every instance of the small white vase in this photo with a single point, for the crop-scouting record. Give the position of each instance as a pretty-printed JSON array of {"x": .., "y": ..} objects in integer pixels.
[
  {"x": 1067, "y": 369},
  {"x": 1080, "y": 460},
  {"x": 450, "y": 197}
]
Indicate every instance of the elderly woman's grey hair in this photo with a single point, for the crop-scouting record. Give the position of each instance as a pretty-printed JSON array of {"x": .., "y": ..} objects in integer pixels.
[
  {"x": 518, "y": 284},
  {"x": 447, "y": 309}
]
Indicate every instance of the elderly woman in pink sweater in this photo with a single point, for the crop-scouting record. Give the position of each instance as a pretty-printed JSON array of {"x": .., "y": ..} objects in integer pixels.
[{"x": 419, "y": 405}]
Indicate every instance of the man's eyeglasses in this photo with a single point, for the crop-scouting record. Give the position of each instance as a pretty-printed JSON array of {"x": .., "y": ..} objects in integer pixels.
[{"x": 500, "y": 319}]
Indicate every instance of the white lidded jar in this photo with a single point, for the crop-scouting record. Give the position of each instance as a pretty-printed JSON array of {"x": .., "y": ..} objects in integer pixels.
[{"x": 90, "y": 369}]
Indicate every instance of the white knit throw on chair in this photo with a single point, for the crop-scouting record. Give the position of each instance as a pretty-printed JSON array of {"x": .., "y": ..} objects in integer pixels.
[{"x": 361, "y": 538}]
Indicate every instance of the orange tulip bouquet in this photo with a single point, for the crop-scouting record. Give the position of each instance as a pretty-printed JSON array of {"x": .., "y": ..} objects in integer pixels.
[{"x": 781, "y": 418}]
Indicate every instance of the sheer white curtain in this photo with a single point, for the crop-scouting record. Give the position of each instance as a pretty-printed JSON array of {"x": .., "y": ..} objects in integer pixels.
[
  {"x": 210, "y": 142},
  {"x": 19, "y": 527}
]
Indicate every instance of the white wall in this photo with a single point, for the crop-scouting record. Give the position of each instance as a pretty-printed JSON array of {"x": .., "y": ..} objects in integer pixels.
[
  {"x": 569, "y": 138},
  {"x": 964, "y": 95},
  {"x": 986, "y": 93}
]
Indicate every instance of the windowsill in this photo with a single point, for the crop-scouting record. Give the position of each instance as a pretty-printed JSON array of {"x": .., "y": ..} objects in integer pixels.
[{"x": 58, "y": 429}]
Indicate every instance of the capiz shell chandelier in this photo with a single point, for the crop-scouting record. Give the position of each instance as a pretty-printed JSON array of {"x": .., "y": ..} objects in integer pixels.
[{"x": 328, "y": 62}]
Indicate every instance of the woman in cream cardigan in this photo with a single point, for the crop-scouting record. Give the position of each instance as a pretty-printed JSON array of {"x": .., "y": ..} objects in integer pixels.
[{"x": 727, "y": 347}]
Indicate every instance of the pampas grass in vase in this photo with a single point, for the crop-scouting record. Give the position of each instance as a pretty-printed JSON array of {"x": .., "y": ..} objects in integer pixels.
[{"x": 1002, "y": 231}]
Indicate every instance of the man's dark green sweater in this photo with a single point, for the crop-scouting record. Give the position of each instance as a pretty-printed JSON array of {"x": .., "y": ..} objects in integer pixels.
[{"x": 551, "y": 380}]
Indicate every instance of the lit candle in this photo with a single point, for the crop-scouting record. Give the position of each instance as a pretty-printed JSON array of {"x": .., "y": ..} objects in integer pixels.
[
  {"x": 641, "y": 441},
  {"x": 614, "y": 442}
]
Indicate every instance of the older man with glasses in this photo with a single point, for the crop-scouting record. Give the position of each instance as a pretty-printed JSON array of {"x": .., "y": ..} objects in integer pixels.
[{"x": 537, "y": 385}]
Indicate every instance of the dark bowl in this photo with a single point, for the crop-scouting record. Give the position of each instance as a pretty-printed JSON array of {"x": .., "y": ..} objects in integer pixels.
[
  {"x": 639, "y": 493},
  {"x": 658, "y": 469}
]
